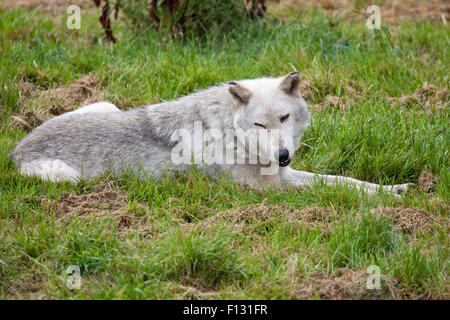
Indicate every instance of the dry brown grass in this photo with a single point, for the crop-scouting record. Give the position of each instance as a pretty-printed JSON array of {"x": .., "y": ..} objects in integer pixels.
[
  {"x": 352, "y": 93},
  {"x": 392, "y": 12},
  {"x": 41, "y": 105},
  {"x": 344, "y": 284},
  {"x": 105, "y": 201},
  {"x": 189, "y": 292},
  {"x": 305, "y": 89},
  {"x": 253, "y": 217},
  {"x": 410, "y": 220},
  {"x": 50, "y": 6},
  {"x": 105, "y": 196},
  {"x": 188, "y": 213},
  {"x": 428, "y": 97},
  {"x": 427, "y": 181}
]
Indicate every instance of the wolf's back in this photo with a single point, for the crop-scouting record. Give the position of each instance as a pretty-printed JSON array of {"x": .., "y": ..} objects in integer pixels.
[{"x": 68, "y": 137}]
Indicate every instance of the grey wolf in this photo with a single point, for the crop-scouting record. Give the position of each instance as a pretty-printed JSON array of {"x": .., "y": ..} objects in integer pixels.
[{"x": 86, "y": 142}]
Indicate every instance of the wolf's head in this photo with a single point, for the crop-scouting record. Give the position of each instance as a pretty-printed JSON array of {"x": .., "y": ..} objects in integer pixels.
[{"x": 273, "y": 114}]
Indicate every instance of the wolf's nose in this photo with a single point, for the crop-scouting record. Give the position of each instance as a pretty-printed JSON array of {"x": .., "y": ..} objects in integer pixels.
[{"x": 283, "y": 155}]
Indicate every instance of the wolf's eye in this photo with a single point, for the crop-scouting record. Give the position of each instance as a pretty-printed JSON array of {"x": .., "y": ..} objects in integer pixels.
[
  {"x": 259, "y": 125},
  {"x": 284, "y": 118}
]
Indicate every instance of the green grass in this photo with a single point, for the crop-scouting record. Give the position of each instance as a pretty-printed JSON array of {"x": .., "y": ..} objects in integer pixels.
[{"x": 370, "y": 139}]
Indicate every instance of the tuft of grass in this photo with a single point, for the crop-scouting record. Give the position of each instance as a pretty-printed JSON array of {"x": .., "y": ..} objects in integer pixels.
[
  {"x": 195, "y": 258},
  {"x": 358, "y": 242}
]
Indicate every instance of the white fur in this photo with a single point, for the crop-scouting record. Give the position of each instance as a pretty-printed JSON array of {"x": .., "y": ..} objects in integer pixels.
[
  {"x": 52, "y": 169},
  {"x": 98, "y": 107},
  {"x": 55, "y": 169},
  {"x": 302, "y": 178}
]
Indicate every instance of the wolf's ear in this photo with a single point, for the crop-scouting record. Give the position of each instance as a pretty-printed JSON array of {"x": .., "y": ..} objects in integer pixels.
[
  {"x": 291, "y": 83},
  {"x": 241, "y": 94}
]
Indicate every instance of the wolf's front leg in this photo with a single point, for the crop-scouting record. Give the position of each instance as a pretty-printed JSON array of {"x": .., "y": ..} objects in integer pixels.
[{"x": 302, "y": 178}]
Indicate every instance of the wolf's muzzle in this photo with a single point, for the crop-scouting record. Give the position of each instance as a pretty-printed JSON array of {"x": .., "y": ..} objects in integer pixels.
[{"x": 284, "y": 164}]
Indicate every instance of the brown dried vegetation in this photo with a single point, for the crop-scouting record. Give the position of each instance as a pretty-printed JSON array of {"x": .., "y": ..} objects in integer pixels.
[
  {"x": 105, "y": 201},
  {"x": 344, "y": 284},
  {"x": 41, "y": 105},
  {"x": 392, "y": 12},
  {"x": 427, "y": 182},
  {"x": 428, "y": 97},
  {"x": 256, "y": 217},
  {"x": 410, "y": 220}
]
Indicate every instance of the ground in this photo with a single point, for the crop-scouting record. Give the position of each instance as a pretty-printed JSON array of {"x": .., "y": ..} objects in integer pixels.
[{"x": 380, "y": 112}]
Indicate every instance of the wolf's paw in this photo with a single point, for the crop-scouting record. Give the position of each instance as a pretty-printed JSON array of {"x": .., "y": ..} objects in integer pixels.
[{"x": 399, "y": 189}]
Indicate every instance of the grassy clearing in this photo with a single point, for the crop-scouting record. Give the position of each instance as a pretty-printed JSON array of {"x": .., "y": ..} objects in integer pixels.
[{"x": 180, "y": 238}]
